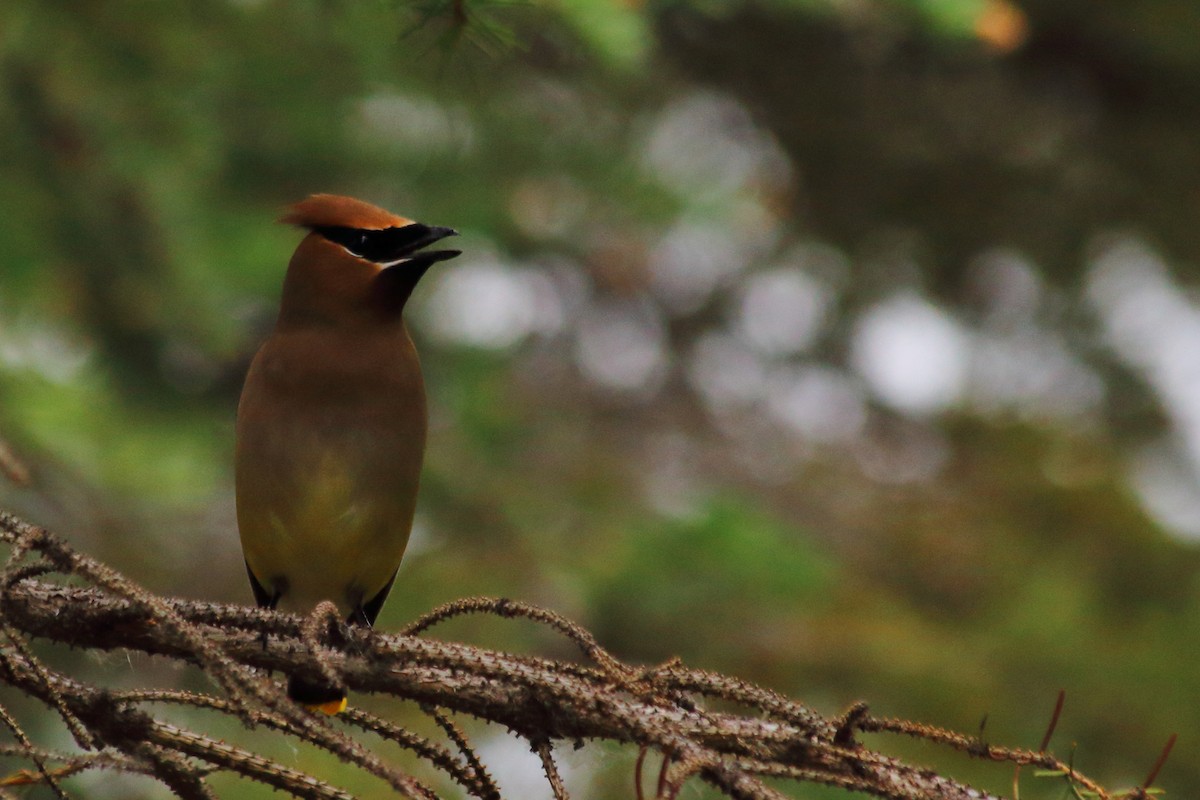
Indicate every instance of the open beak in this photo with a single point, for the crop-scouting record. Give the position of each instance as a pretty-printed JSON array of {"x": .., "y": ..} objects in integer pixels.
[{"x": 410, "y": 239}]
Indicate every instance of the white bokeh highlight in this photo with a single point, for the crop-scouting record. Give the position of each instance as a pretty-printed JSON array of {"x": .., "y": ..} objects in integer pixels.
[
  {"x": 912, "y": 355},
  {"x": 408, "y": 123},
  {"x": 489, "y": 304},
  {"x": 1154, "y": 326},
  {"x": 725, "y": 372},
  {"x": 622, "y": 345},
  {"x": 27, "y": 343},
  {"x": 691, "y": 261},
  {"x": 822, "y": 405},
  {"x": 518, "y": 771},
  {"x": 1031, "y": 372},
  {"x": 782, "y": 311},
  {"x": 706, "y": 145}
]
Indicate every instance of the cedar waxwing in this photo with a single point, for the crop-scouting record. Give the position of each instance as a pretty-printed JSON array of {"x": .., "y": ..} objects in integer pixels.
[{"x": 331, "y": 423}]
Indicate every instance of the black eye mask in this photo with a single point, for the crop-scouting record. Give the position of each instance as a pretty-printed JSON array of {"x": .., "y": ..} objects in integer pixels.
[{"x": 388, "y": 245}]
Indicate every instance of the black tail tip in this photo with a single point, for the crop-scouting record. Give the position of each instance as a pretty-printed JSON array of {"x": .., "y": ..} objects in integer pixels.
[{"x": 314, "y": 692}]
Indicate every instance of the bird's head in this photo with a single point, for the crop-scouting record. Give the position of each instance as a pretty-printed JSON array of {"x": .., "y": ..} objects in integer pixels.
[{"x": 358, "y": 263}]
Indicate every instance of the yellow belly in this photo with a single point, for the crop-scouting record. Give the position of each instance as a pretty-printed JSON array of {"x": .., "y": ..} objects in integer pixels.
[{"x": 337, "y": 541}]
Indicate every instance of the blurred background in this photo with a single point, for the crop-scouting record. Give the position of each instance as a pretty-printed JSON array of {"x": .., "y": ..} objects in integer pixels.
[{"x": 850, "y": 346}]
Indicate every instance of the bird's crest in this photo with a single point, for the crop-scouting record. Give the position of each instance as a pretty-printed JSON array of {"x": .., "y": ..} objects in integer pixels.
[{"x": 332, "y": 210}]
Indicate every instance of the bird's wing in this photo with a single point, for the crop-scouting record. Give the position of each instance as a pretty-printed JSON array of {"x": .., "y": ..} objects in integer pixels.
[
  {"x": 264, "y": 598},
  {"x": 370, "y": 609}
]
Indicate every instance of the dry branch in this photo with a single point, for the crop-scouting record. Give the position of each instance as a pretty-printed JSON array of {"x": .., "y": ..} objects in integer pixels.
[{"x": 660, "y": 708}]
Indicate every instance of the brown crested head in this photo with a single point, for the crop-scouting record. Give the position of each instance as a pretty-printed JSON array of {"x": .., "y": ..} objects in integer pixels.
[
  {"x": 335, "y": 210},
  {"x": 358, "y": 264}
]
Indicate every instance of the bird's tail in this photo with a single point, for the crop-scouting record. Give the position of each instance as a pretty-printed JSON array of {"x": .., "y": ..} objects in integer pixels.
[{"x": 317, "y": 694}]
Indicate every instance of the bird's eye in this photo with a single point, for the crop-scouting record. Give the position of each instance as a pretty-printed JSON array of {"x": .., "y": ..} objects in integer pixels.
[{"x": 356, "y": 241}]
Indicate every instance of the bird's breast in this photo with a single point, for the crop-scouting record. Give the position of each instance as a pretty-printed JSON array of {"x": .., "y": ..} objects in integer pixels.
[{"x": 331, "y": 436}]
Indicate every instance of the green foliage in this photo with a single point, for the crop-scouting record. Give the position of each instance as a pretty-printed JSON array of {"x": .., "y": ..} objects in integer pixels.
[{"x": 726, "y": 573}]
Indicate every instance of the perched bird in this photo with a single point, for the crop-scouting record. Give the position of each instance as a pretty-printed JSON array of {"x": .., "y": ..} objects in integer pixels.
[{"x": 332, "y": 419}]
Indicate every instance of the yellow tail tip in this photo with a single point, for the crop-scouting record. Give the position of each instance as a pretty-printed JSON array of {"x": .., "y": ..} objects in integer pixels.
[{"x": 332, "y": 708}]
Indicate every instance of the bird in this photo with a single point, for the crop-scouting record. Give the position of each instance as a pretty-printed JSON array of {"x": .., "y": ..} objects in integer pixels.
[{"x": 332, "y": 421}]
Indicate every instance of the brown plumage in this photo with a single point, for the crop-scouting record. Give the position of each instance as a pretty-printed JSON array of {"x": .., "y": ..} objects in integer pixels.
[{"x": 331, "y": 423}]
